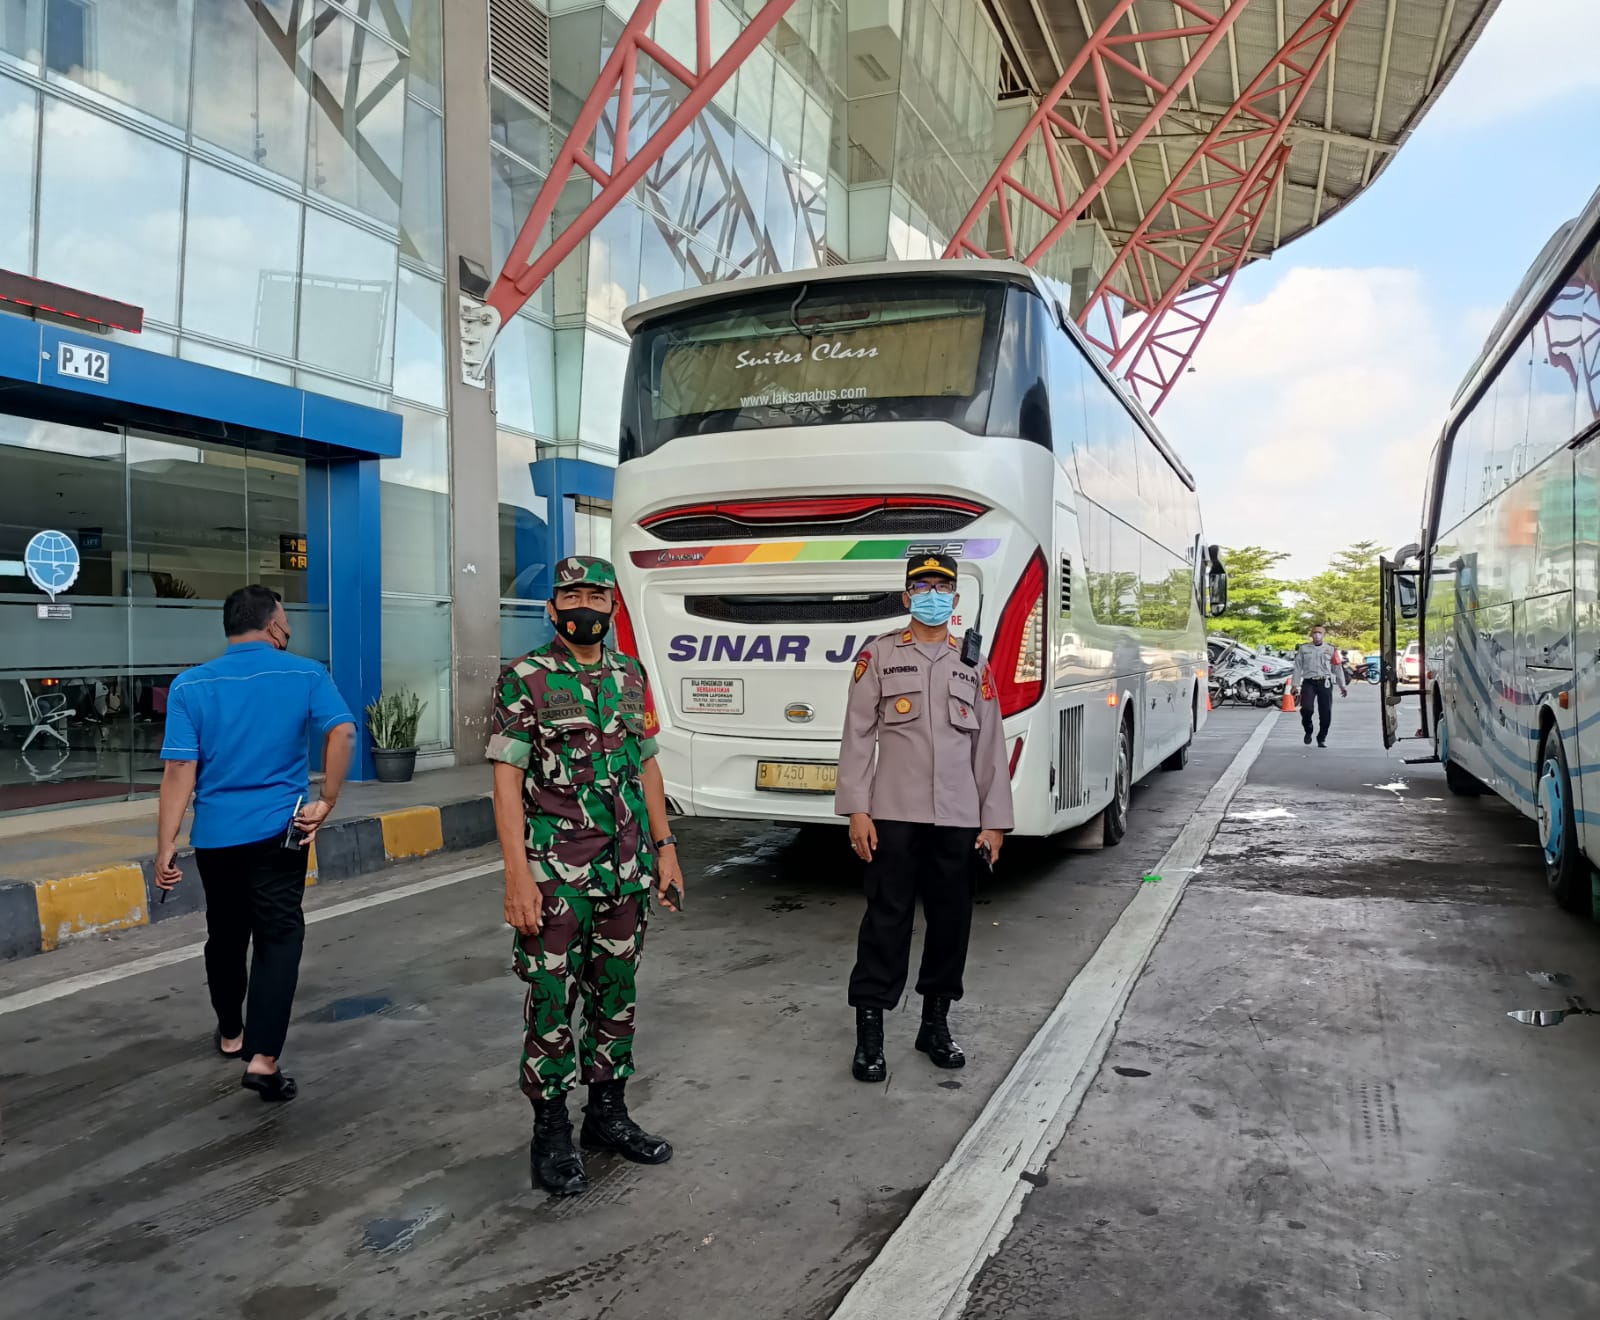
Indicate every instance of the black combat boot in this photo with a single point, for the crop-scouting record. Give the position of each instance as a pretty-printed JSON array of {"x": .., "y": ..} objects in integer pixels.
[
  {"x": 869, "y": 1064},
  {"x": 933, "y": 1039},
  {"x": 554, "y": 1164},
  {"x": 606, "y": 1126}
]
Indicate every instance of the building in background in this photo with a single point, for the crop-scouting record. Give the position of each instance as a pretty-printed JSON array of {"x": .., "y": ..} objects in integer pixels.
[{"x": 263, "y": 185}]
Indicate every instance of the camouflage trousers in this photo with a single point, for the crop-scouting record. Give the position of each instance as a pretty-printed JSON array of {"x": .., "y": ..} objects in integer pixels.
[{"x": 588, "y": 948}]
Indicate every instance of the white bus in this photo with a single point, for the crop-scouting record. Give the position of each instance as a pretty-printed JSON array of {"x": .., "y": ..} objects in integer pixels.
[
  {"x": 1508, "y": 561},
  {"x": 788, "y": 440}
]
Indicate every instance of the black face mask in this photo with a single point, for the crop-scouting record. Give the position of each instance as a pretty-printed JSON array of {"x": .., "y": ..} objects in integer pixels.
[{"x": 582, "y": 626}]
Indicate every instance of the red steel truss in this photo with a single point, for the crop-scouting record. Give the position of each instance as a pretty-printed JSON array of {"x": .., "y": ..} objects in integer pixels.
[
  {"x": 1106, "y": 49},
  {"x": 527, "y": 267},
  {"x": 1161, "y": 348},
  {"x": 1245, "y": 148}
]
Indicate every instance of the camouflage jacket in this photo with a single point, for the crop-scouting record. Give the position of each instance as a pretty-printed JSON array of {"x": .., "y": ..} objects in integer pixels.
[{"x": 578, "y": 733}]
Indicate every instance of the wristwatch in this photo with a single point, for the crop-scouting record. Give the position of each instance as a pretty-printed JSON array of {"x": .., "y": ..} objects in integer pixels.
[{"x": 670, "y": 841}]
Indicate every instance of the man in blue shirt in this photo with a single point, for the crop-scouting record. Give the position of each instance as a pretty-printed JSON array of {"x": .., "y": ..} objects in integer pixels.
[{"x": 236, "y": 736}]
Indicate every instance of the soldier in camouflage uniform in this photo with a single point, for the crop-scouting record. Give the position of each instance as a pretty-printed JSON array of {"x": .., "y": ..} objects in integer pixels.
[{"x": 576, "y": 784}]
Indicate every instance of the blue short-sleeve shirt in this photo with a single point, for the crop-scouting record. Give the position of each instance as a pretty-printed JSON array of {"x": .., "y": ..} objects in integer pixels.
[{"x": 246, "y": 718}]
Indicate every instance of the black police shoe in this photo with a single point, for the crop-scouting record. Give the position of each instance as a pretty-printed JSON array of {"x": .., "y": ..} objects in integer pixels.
[
  {"x": 933, "y": 1038},
  {"x": 606, "y": 1126},
  {"x": 869, "y": 1064},
  {"x": 554, "y": 1165}
]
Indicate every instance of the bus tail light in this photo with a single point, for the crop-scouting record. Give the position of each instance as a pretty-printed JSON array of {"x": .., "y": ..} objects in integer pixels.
[
  {"x": 1017, "y": 657},
  {"x": 628, "y": 644}
]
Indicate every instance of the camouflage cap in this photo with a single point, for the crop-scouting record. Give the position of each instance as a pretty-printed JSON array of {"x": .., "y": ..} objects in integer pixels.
[{"x": 585, "y": 570}]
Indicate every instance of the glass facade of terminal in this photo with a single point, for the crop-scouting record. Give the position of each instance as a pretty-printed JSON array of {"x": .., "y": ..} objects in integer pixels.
[{"x": 265, "y": 179}]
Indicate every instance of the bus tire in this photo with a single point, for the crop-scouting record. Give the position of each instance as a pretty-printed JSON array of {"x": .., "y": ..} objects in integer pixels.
[
  {"x": 1457, "y": 780},
  {"x": 1115, "y": 815},
  {"x": 1180, "y": 758},
  {"x": 1565, "y": 870}
]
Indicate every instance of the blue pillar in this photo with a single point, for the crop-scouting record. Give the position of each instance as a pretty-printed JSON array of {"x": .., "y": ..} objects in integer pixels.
[
  {"x": 355, "y": 606},
  {"x": 562, "y": 482}
]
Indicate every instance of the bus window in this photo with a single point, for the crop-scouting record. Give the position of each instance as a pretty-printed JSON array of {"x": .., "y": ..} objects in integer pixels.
[
  {"x": 1071, "y": 380},
  {"x": 885, "y": 350}
]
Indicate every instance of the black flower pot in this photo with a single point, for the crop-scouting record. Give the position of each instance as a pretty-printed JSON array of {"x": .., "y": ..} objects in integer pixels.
[{"x": 394, "y": 765}]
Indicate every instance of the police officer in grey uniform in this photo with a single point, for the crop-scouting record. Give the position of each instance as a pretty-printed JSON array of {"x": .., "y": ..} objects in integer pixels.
[
  {"x": 1315, "y": 673},
  {"x": 940, "y": 791}
]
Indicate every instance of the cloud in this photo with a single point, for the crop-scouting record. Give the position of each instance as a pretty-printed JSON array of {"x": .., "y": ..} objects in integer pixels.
[
  {"x": 1313, "y": 409},
  {"x": 1527, "y": 57}
]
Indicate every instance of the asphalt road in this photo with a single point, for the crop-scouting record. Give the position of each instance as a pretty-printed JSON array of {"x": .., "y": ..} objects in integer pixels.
[
  {"x": 1313, "y": 1105},
  {"x": 136, "y": 1175}
]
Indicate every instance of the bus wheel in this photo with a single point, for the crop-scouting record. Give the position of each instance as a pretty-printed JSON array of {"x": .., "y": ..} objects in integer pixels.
[
  {"x": 1116, "y": 814},
  {"x": 1564, "y": 868},
  {"x": 1180, "y": 758},
  {"x": 1456, "y": 779}
]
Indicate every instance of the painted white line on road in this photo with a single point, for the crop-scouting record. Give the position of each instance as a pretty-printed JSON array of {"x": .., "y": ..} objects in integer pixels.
[
  {"x": 71, "y": 985},
  {"x": 925, "y": 1271}
]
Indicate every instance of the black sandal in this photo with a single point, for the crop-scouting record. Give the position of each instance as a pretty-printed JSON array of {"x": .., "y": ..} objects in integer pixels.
[
  {"x": 216, "y": 1039},
  {"x": 270, "y": 1086}
]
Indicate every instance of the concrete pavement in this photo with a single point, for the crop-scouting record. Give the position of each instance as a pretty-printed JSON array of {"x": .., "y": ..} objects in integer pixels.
[
  {"x": 134, "y": 1170},
  {"x": 1313, "y": 1105}
]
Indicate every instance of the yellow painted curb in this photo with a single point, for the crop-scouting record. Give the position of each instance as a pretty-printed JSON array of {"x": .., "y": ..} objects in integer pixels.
[
  {"x": 415, "y": 832},
  {"x": 77, "y": 906}
]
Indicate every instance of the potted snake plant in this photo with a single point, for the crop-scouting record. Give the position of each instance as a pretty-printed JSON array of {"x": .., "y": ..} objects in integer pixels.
[{"x": 392, "y": 720}]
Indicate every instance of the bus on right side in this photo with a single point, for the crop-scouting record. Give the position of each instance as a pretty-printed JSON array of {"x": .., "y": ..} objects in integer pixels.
[{"x": 1505, "y": 573}]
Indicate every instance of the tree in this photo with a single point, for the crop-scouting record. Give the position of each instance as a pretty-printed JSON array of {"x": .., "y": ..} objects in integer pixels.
[
  {"x": 1257, "y": 614},
  {"x": 1344, "y": 596}
]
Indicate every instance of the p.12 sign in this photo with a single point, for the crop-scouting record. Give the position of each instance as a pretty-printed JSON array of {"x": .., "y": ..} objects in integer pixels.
[{"x": 84, "y": 363}]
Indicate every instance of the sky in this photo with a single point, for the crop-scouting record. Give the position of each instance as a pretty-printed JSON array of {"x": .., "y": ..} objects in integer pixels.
[{"x": 1319, "y": 390}]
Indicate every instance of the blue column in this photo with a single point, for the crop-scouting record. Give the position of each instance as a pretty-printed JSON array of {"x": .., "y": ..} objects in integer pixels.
[
  {"x": 355, "y": 606},
  {"x": 562, "y": 482}
]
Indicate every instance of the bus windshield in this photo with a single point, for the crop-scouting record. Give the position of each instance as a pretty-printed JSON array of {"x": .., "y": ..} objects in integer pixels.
[{"x": 817, "y": 353}]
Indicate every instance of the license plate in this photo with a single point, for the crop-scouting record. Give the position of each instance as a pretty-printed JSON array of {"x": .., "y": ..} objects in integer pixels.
[{"x": 797, "y": 776}]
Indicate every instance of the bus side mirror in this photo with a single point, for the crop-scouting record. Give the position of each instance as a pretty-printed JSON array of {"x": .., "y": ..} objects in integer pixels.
[
  {"x": 1216, "y": 583},
  {"x": 1405, "y": 590}
]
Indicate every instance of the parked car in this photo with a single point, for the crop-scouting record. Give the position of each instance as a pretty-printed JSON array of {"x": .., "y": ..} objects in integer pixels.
[{"x": 1411, "y": 663}]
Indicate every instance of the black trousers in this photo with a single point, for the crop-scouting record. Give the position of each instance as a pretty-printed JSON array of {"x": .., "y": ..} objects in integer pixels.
[
  {"x": 254, "y": 895},
  {"x": 1317, "y": 692},
  {"x": 933, "y": 862}
]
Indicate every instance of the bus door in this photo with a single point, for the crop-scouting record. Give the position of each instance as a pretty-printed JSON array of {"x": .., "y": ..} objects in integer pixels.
[{"x": 1399, "y": 605}]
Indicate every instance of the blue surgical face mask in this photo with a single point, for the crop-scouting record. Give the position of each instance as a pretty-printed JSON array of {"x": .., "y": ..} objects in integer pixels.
[{"x": 933, "y": 608}]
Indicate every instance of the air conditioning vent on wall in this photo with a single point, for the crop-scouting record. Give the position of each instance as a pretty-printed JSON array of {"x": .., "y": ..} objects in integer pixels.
[{"x": 519, "y": 49}]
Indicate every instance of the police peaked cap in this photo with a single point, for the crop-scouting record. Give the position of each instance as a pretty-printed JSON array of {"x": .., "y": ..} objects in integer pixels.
[
  {"x": 585, "y": 571},
  {"x": 921, "y": 566}
]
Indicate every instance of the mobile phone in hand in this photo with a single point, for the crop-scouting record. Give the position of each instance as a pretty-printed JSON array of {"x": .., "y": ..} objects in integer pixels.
[
  {"x": 985, "y": 852},
  {"x": 291, "y": 837},
  {"x": 675, "y": 896}
]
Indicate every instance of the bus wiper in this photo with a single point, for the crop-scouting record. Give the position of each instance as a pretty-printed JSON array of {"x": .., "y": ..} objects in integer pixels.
[{"x": 794, "y": 309}]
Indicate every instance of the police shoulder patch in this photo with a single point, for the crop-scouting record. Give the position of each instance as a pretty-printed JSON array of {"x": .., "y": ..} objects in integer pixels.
[
  {"x": 862, "y": 661},
  {"x": 986, "y": 683}
]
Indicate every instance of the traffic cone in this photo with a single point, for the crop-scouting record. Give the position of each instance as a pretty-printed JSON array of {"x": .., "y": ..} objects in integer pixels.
[
  {"x": 1288, "y": 701},
  {"x": 1209, "y": 706}
]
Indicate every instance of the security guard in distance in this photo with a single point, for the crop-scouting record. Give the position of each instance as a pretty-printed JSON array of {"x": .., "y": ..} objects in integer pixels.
[
  {"x": 575, "y": 786},
  {"x": 939, "y": 792}
]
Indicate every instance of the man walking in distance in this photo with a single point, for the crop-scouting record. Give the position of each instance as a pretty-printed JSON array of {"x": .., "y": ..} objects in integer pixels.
[
  {"x": 240, "y": 748},
  {"x": 940, "y": 792},
  {"x": 575, "y": 785},
  {"x": 1316, "y": 670}
]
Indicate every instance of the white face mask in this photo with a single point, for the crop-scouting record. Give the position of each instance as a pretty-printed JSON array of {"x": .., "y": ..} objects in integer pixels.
[{"x": 1317, "y": 638}]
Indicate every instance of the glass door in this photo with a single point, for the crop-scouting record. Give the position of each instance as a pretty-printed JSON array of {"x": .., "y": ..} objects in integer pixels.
[
  {"x": 162, "y": 528},
  {"x": 65, "y": 705}
]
